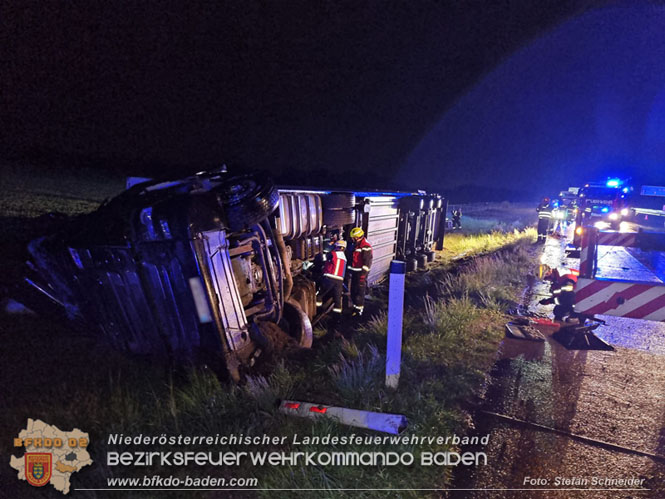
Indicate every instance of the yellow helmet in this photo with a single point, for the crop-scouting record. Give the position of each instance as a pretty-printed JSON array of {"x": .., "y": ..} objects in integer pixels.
[
  {"x": 357, "y": 232},
  {"x": 340, "y": 244}
]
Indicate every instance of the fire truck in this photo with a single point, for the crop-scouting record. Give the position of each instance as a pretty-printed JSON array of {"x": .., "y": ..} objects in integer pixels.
[
  {"x": 601, "y": 202},
  {"x": 210, "y": 268}
]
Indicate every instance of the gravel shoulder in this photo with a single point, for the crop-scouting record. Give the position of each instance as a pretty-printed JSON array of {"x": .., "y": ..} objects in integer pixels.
[{"x": 616, "y": 397}]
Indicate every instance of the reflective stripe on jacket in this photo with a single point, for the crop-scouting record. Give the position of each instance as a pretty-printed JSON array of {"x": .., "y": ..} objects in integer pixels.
[
  {"x": 335, "y": 266},
  {"x": 361, "y": 261},
  {"x": 544, "y": 211}
]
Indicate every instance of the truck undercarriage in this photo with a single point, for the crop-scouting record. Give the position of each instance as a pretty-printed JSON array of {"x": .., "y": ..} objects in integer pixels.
[{"x": 211, "y": 268}]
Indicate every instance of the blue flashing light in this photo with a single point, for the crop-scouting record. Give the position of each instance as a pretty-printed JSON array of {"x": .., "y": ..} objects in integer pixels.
[
  {"x": 605, "y": 209},
  {"x": 613, "y": 182}
]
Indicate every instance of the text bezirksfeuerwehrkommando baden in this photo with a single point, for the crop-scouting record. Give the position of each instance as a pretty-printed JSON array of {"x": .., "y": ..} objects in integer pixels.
[{"x": 324, "y": 457}]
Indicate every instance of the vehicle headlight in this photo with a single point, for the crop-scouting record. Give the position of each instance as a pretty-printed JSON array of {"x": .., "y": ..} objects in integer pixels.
[
  {"x": 624, "y": 212},
  {"x": 614, "y": 216},
  {"x": 578, "y": 231}
]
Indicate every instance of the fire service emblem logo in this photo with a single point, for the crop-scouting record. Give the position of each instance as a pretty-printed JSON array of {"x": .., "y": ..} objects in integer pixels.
[
  {"x": 38, "y": 468},
  {"x": 51, "y": 455}
]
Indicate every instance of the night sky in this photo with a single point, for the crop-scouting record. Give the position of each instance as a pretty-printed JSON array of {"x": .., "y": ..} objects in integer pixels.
[
  {"x": 458, "y": 92},
  {"x": 582, "y": 102}
]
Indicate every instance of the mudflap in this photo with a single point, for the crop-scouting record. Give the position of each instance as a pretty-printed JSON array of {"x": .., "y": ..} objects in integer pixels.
[{"x": 579, "y": 337}]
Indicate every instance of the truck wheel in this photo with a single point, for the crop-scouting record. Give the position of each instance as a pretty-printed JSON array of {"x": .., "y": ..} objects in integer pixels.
[
  {"x": 297, "y": 324},
  {"x": 338, "y": 201},
  {"x": 338, "y": 218},
  {"x": 246, "y": 200},
  {"x": 411, "y": 264}
]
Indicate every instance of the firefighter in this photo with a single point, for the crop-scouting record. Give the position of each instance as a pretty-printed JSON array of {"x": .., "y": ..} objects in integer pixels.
[
  {"x": 333, "y": 277},
  {"x": 558, "y": 219},
  {"x": 562, "y": 288},
  {"x": 457, "y": 218},
  {"x": 361, "y": 262},
  {"x": 544, "y": 217}
]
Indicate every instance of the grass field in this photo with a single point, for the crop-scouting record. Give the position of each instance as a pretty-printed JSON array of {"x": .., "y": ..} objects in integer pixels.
[
  {"x": 480, "y": 218},
  {"x": 452, "y": 329}
]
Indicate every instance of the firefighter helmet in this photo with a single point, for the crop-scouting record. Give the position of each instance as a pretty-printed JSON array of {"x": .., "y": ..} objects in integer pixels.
[
  {"x": 357, "y": 232},
  {"x": 341, "y": 244}
]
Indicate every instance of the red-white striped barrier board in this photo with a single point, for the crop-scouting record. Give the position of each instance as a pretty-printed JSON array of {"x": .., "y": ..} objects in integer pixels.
[
  {"x": 617, "y": 238},
  {"x": 620, "y": 298},
  {"x": 588, "y": 251}
]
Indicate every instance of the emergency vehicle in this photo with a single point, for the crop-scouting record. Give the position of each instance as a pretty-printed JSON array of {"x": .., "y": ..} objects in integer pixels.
[{"x": 605, "y": 202}]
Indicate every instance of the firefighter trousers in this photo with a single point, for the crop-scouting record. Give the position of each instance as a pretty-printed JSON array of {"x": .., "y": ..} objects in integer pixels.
[
  {"x": 543, "y": 227},
  {"x": 335, "y": 288},
  {"x": 565, "y": 305},
  {"x": 358, "y": 288}
]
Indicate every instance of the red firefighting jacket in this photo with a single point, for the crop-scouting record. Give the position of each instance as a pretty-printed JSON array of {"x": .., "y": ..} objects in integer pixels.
[
  {"x": 561, "y": 283},
  {"x": 361, "y": 261},
  {"x": 335, "y": 265}
]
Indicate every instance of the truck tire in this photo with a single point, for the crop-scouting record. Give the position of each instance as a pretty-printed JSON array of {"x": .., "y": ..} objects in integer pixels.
[
  {"x": 246, "y": 200},
  {"x": 411, "y": 264},
  {"x": 338, "y": 201},
  {"x": 338, "y": 218},
  {"x": 297, "y": 324}
]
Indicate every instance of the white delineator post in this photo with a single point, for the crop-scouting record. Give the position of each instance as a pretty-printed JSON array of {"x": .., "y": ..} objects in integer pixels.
[
  {"x": 389, "y": 423},
  {"x": 395, "y": 315}
]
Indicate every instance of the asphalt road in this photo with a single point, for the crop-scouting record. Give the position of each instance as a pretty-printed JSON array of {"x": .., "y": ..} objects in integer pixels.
[{"x": 615, "y": 397}]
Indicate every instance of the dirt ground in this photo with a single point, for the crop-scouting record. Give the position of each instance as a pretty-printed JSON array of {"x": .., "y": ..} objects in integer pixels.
[{"x": 615, "y": 397}]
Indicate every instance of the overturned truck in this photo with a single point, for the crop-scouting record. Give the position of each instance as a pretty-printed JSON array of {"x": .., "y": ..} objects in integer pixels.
[{"x": 208, "y": 269}]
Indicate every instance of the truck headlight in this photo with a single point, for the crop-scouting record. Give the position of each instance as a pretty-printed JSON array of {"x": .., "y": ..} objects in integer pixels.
[
  {"x": 614, "y": 216},
  {"x": 624, "y": 212}
]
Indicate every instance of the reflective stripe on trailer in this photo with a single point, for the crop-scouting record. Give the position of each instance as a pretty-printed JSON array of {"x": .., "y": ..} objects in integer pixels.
[{"x": 621, "y": 299}]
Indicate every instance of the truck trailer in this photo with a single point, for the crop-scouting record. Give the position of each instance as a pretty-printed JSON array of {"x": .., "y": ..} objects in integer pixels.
[{"x": 212, "y": 268}]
